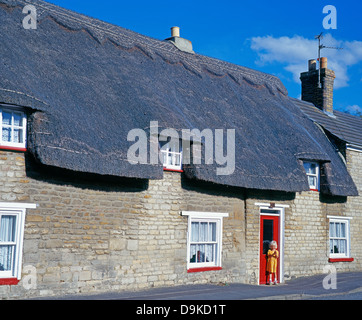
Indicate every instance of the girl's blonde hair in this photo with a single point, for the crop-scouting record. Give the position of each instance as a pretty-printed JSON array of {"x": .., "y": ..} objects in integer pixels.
[{"x": 273, "y": 243}]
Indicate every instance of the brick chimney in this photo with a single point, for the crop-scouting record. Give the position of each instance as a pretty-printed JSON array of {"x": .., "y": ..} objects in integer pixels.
[{"x": 317, "y": 85}]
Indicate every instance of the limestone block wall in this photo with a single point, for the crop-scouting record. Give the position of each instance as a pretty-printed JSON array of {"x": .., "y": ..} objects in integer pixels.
[
  {"x": 354, "y": 208},
  {"x": 306, "y": 236},
  {"x": 89, "y": 236},
  {"x": 307, "y": 227},
  {"x": 94, "y": 235}
]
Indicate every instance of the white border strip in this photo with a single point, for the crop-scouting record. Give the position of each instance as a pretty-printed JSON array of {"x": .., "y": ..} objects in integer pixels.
[
  {"x": 267, "y": 205},
  {"x": 339, "y": 217},
  {"x": 197, "y": 214},
  {"x": 17, "y": 205}
]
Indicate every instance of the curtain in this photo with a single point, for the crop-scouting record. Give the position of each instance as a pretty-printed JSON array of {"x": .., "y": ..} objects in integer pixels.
[
  {"x": 6, "y": 126},
  {"x": 338, "y": 237},
  {"x": 12, "y": 127},
  {"x": 7, "y": 242},
  {"x": 202, "y": 235}
]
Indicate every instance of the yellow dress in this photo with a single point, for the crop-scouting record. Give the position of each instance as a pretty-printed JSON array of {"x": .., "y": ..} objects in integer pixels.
[{"x": 272, "y": 261}]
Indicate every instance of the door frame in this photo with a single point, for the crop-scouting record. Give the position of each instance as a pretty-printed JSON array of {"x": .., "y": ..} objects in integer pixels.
[{"x": 281, "y": 215}]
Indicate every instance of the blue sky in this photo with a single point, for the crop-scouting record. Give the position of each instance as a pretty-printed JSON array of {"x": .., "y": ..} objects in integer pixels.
[{"x": 276, "y": 37}]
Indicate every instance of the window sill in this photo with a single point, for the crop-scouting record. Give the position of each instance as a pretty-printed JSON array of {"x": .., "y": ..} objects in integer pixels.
[
  {"x": 18, "y": 149},
  {"x": 8, "y": 281},
  {"x": 174, "y": 170},
  {"x": 315, "y": 190},
  {"x": 340, "y": 259},
  {"x": 192, "y": 270}
]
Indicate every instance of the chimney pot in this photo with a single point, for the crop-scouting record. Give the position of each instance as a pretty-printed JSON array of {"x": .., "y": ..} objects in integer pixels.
[
  {"x": 323, "y": 63},
  {"x": 312, "y": 65},
  {"x": 175, "y": 32}
]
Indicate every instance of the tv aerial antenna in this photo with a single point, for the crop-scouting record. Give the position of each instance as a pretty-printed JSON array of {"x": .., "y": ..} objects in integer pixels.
[{"x": 320, "y": 47}]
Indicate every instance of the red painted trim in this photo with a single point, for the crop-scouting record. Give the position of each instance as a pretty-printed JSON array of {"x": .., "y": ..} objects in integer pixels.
[
  {"x": 340, "y": 259},
  {"x": 203, "y": 269},
  {"x": 316, "y": 190},
  {"x": 5, "y": 148},
  {"x": 9, "y": 282},
  {"x": 174, "y": 170}
]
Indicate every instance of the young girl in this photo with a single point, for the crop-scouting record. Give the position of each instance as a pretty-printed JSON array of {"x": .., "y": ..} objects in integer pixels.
[{"x": 271, "y": 267}]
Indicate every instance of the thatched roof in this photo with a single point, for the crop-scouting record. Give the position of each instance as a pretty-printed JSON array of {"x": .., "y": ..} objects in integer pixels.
[{"x": 89, "y": 83}]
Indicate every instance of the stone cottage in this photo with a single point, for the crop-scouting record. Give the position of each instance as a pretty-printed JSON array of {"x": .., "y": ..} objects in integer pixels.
[{"x": 85, "y": 206}]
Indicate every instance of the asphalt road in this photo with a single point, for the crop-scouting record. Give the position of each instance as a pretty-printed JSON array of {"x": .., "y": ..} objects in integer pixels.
[
  {"x": 348, "y": 287},
  {"x": 347, "y": 296}
]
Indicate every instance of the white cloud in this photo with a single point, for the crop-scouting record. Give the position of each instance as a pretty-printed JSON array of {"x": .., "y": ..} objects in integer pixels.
[
  {"x": 355, "y": 110},
  {"x": 294, "y": 52}
]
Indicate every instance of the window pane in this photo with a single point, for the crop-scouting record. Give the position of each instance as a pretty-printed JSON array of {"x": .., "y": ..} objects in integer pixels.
[
  {"x": 332, "y": 230},
  {"x": 18, "y": 119},
  {"x": 268, "y": 211},
  {"x": 164, "y": 161},
  {"x": 177, "y": 160},
  {"x": 342, "y": 246},
  {"x": 313, "y": 168},
  {"x": 18, "y": 136},
  {"x": 331, "y": 246},
  {"x": 194, "y": 231},
  {"x": 338, "y": 230},
  {"x": 7, "y": 228},
  {"x": 307, "y": 167},
  {"x": 201, "y": 253},
  {"x": 210, "y": 252},
  {"x": 343, "y": 230},
  {"x": 335, "y": 246},
  {"x": 212, "y": 231},
  {"x": 310, "y": 168},
  {"x": 203, "y": 231},
  {"x": 168, "y": 159},
  {"x": 6, "y": 257},
  {"x": 193, "y": 253},
  {"x": 312, "y": 181},
  {"x": 6, "y": 135},
  {"x": 6, "y": 118},
  {"x": 174, "y": 146}
]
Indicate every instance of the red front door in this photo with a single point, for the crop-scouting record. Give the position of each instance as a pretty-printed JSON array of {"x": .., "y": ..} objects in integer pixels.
[{"x": 269, "y": 231}]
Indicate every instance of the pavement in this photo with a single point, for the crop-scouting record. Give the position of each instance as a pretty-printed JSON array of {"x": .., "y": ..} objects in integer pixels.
[{"x": 348, "y": 284}]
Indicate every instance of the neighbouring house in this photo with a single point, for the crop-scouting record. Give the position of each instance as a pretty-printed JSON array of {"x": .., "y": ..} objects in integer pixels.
[{"x": 77, "y": 216}]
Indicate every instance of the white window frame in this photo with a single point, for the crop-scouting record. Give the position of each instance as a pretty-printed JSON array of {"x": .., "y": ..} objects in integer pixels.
[
  {"x": 18, "y": 210},
  {"x": 13, "y": 127},
  {"x": 314, "y": 175},
  {"x": 170, "y": 156},
  {"x": 213, "y": 217},
  {"x": 347, "y": 238}
]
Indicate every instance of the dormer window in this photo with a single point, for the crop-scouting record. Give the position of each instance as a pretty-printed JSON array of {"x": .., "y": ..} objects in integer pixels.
[
  {"x": 312, "y": 170},
  {"x": 171, "y": 155},
  {"x": 12, "y": 129}
]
